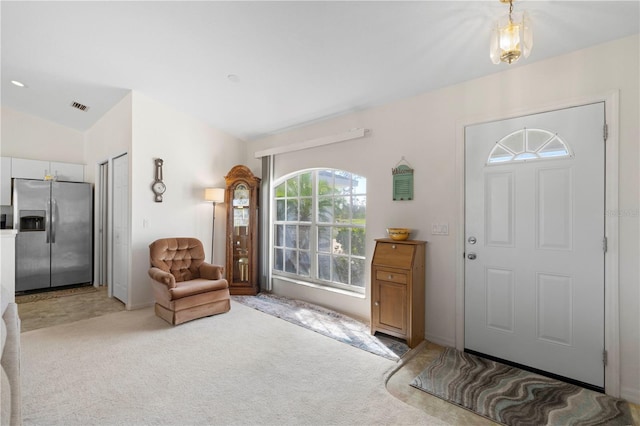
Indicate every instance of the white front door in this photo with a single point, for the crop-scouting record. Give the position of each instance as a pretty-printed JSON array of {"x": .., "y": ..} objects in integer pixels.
[
  {"x": 120, "y": 210},
  {"x": 534, "y": 232}
]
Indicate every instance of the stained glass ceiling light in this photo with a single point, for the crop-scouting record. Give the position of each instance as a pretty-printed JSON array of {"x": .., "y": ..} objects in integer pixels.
[{"x": 511, "y": 37}]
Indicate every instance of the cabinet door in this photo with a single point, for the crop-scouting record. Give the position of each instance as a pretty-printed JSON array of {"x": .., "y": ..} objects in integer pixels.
[
  {"x": 29, "y": 169},
  {"x": 390, "y": 313},
  {"x": 67, "y": 172},
  {"x": 5, "y": 181}
]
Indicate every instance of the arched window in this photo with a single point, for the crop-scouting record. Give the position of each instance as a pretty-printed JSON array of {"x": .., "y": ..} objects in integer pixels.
[
  {"x": 319, "y": 228},
  {"x": 528, "y": 145}
]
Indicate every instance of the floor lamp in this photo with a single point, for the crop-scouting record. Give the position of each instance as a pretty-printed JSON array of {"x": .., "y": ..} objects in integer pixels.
[{"x": 215, "y": 196}]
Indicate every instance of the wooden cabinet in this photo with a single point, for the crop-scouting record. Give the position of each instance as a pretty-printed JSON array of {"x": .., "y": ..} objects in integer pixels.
[
  {"x": 241, "y": 199},
  {"x": 397, "y": 289}
]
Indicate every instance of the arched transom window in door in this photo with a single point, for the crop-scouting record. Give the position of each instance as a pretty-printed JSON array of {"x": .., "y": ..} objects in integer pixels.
[{"x": 528, "y": 145}]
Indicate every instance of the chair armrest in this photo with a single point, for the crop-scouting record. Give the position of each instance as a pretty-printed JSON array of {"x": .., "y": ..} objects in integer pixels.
[
  {"x": 162, "y": 277},
  {"x": 211, "y": 272}
]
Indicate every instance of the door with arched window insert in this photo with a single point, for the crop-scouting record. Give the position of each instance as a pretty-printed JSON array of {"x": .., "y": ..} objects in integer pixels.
[{"x": 534, "y": 231}]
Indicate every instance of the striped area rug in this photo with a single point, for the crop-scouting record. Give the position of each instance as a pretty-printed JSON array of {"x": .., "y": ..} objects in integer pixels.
[{"x": 512, "y": 396}]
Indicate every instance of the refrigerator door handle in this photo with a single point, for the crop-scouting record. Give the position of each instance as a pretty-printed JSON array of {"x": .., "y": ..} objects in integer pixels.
[
  {"x": 54, "y": 219},
  {"x": 48, "y": 222}
]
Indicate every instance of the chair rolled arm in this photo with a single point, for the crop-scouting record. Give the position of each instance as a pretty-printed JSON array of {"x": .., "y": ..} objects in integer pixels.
[
  {"x": 162, "y": 277},
  {"x": 211, "y": 272}
]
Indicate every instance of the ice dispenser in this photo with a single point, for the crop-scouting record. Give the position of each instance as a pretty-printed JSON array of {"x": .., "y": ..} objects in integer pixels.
[{"x": 32, "y": 220}]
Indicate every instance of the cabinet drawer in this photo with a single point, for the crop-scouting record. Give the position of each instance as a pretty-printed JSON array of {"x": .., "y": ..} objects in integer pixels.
[
  {"x": 395, "y": 255},
  {"x": 393, "y": 277}
]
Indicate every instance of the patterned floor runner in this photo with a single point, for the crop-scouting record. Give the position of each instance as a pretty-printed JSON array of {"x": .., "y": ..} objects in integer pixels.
[
  {"x": 327, "y": 322},
  {"x": 512, "y": 396}
]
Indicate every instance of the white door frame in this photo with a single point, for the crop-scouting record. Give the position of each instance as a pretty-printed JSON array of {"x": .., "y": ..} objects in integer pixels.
[{"x": 611, "y": 279}]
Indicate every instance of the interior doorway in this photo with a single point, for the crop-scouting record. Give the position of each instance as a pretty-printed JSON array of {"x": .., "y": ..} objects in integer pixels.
[
  {"x": 112, "y": 227},
  {"x": 534, "y": 233}
]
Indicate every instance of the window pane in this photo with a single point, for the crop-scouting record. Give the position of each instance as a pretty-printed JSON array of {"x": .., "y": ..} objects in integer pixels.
[
  {"x": 342, "y": 241},
  {"x": 514, "y": 142},
  {"x": 357, "y": 272},
  {"x": 291, "y": 261},
  {"x": 304, "y": 262},
  {"x": 292, "y": 187},
  {"x": 342, "y": 209},
  {"x": 278, "y": 257},
  {"x": 555, "y": 148},
  {"x": 341, "y": 269},
  {"x": 305, "y": 185},
  {"x": 342, "y": 182},
  {"x": 279, "y": 237},
  {"x": 292, "y": 210},
  {"x": 324, "y": 239},
  {"x": 359, "y": 184},
  {"x": 304, "y": 233},
  {"x": 280, "y": 209},
  {"x": 305, "y": 209},
  {"x": 280, "y": 190},
  {"x": 325, "y": 209},
  {"x": 291, "y": 236},
  {"x": 536, "y": 138},
  {"x": 357, "y": 242},
  {"x": 324, "y": 267},
  {"x": 325, "y": 182},
  {"x": 359, "y": 209}
]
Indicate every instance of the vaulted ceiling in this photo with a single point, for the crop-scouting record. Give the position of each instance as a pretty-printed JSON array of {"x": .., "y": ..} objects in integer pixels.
[{"x": 257, "y": 68}]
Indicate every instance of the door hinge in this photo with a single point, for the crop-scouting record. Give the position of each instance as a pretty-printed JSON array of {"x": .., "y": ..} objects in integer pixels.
[
  {"x": 605, "y": 244},
  {"x": 605, "y": 132},
  {"x": 605, "y": 357}
]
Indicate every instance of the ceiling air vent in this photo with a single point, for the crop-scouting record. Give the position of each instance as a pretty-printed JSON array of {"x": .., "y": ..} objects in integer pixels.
[{"x": 78, "y": 105}]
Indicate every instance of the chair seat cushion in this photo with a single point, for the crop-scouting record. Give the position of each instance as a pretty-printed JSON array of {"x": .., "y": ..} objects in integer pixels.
[{"x": 197, "y": 286}]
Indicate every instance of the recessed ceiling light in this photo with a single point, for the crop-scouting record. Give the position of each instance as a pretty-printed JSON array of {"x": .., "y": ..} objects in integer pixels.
[{"x": 18, "y": 83}]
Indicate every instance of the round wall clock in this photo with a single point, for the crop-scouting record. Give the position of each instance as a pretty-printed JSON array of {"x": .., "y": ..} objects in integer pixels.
[{"x": 158, "y": 187}]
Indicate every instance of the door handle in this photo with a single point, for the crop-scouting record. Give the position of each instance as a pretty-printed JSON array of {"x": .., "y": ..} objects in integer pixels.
[
  {"x": 54, "y": 207},
  {"x": 47, "y": 219},
  {"x": 471, "y": 256}
]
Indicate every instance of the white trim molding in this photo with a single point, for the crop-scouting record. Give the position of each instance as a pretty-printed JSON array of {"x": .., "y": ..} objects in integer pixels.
[
  {"x": 312, "y": 143},
  {"x": 612, "y": 177}
]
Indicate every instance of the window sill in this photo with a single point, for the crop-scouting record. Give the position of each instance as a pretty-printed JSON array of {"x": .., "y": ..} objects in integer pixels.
[{"x": 321, "y": 287}]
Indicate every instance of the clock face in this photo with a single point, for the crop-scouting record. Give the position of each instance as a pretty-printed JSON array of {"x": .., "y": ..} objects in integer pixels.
[{"x": 158, "y": 187}]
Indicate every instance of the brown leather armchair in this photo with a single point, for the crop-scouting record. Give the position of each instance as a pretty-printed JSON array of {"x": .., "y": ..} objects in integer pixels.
[{"x": 184, "y": 285}]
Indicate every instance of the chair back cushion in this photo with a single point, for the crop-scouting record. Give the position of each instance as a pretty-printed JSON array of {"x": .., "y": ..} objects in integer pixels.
[{"x": 181, "y": 257}]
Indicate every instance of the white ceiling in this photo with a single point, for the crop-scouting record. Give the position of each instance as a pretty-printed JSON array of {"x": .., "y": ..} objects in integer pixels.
[{"x": 295, "y": 62}]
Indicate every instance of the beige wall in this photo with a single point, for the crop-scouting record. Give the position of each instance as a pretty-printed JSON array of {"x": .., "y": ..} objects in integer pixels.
[
  {"x": 108, "y": 138},
  {"x": 424, "y": 130},
  {"x": 195, "y": 156},
  {"x": 27, "y": 136}
]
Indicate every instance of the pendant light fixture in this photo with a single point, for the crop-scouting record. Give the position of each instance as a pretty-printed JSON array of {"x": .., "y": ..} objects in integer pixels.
[{"x": 511, "y": 37}]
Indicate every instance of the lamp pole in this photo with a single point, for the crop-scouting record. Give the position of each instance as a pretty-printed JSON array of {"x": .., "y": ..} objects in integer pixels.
[{"x": 215, "y": 196}]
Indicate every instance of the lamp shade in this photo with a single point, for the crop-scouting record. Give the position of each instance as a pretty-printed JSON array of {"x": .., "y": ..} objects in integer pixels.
[{"x": 214, "y": 195}]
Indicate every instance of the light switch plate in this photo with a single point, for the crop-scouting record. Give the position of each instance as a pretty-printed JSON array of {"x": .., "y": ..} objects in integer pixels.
[{"x": 440, "y": 229}]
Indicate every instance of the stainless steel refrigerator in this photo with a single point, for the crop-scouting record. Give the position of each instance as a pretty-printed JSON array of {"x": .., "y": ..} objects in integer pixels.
[{"x": 54, "y": 242}]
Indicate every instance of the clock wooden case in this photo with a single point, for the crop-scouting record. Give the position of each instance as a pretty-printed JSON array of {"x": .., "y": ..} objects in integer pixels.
[{"x": 241, "y": 199}]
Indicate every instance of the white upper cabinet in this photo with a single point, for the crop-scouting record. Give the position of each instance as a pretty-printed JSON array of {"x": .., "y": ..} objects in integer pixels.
[
  {"x": 5, "y": 181},
  {"x": 38, "y": 169}
]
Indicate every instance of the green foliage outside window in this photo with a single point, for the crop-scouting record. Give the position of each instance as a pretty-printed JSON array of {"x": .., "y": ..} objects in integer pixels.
[{"x": 319, "y": 229}]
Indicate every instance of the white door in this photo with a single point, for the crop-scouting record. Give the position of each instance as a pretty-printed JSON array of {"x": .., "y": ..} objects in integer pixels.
[
  {"x": 534, "y": 231},
  {"x": 120, "y": 211}
]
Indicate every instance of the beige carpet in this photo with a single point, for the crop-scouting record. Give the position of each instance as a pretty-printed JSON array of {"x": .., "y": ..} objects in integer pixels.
[{"x": 242, "y": 367}]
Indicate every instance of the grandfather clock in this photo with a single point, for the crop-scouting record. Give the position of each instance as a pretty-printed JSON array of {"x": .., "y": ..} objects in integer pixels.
[{"x": 241, "y": 199}]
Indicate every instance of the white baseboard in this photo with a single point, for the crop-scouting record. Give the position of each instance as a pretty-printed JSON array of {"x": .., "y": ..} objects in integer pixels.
[
  {"x": 630, "y": 394},
  {"x": 140, "y": 306},
  {"x": 440, "y": 340}
]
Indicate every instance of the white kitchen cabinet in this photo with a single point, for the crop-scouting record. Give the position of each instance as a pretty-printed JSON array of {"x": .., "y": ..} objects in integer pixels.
[
  {"x": 37, "y": 169},
  {"x": 67, "y": 172},
  {"x": 29, "y": 169},
  {"x": 5, "y": 181}
]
